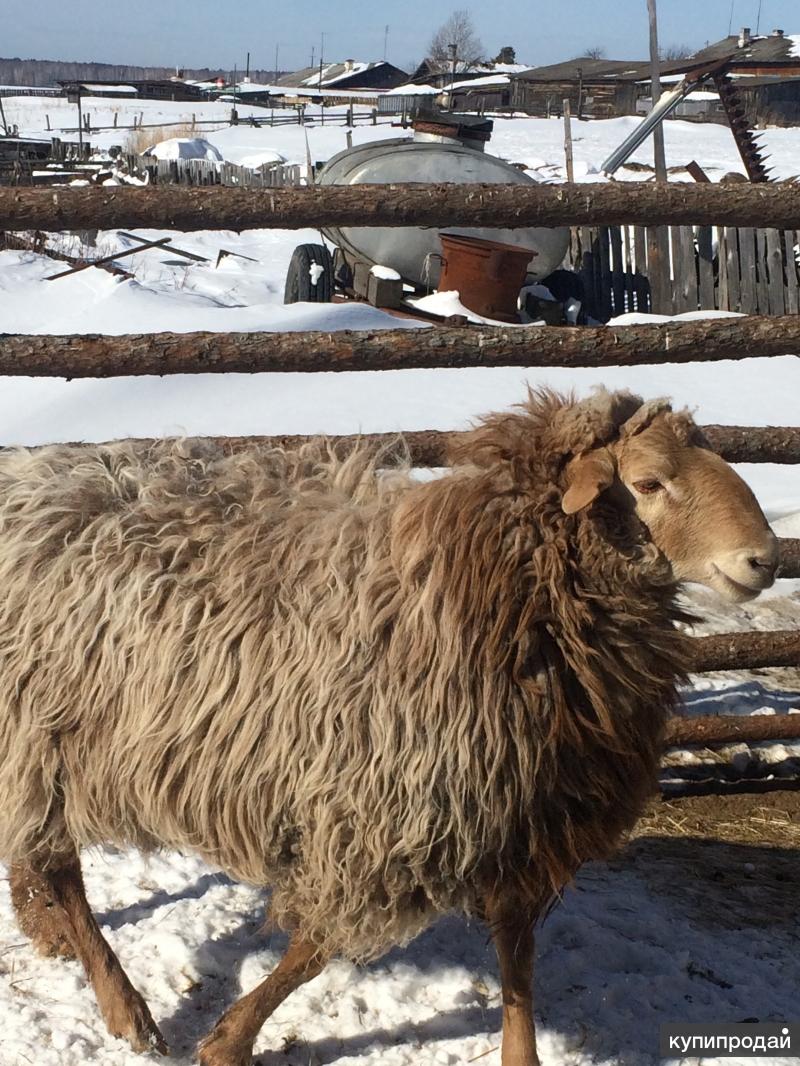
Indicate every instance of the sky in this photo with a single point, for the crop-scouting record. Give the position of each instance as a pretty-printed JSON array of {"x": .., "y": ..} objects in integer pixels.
[{"x": 199, "y": 33}]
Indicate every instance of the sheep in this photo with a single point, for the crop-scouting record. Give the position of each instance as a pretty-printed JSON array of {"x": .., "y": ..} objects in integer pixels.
[{"x": 385, "y": 699}]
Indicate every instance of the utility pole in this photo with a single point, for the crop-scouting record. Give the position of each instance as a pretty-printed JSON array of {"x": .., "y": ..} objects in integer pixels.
[
  {"x": 313, "y": 53},
  {"x": 321, "y": 51},
  {"x": 454, "y": 56},
  {"x": 655, "y": 93},
  {"x": 658, "y": 237},
  {"x": 386, "y": 43},
  {"x": 247, "y": 69},
  {"x": 277, "y": 46}
]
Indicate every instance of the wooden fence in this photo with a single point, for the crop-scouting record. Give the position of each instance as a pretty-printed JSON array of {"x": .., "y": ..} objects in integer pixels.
[
  {"x": 210, "y": 172},
  {"x": 201, "y": 353},
  {"x": 725, "y": 268}
]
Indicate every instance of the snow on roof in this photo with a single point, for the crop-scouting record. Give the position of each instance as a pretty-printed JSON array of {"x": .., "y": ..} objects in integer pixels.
[
  {"x": 330, "y": 78},
  {"x": 491, "y": 79},
  {"x": 413, "y": 90},
  {"x": 92, "y": 87},
  {"x": 795, "y": 49},
  {"x": 509, "y": 68}
]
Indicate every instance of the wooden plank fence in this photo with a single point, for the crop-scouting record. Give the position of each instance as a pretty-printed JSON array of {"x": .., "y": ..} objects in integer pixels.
[
  {"x": 209, "y": 172},
  {"x": 723, "y": 268}
]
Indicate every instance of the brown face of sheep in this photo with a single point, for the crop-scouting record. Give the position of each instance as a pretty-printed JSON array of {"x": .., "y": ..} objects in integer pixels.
[{"x": 698, "y": 511}]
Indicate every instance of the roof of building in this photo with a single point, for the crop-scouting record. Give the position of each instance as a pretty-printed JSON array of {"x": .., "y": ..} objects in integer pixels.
[
  {"x": 589, "y": 70},
  {"x": 777, "y": 47},
  {"x": 331, "y": 73}
]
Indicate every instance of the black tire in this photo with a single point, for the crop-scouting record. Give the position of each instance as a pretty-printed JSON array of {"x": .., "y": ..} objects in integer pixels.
[{"x": 300, "y": 286}]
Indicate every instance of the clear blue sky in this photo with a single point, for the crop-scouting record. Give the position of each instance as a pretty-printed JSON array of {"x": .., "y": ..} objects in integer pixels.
[{"x": 213, "y": 33}]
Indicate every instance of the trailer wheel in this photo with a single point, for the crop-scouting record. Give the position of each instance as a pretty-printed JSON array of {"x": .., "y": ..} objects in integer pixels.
[{"x": 310, "y": 275}]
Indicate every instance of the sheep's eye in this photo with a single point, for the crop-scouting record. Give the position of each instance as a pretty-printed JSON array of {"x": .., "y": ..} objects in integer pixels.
[{"x": 647, "y": 488}]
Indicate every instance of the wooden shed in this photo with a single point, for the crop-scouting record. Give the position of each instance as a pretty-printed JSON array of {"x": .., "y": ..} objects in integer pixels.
[{"x": 596, "y": 88}]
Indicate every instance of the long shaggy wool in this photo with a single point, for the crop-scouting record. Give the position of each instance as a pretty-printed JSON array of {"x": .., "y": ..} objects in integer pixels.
[{"x": 375, "y": 695}]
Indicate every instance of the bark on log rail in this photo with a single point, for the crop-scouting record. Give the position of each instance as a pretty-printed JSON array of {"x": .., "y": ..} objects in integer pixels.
[
  {"x": 97, "y": 355},
  {"x": 746, "y": 651},
  {"x": 776, "y": 204},
  {"x": 428, "y": 447},
  {"x": 728, "y": 729},
  {"x": 790, "y": 553}
]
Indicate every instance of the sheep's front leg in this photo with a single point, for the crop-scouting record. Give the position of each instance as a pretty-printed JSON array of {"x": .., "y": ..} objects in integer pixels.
[
  {"x": 230, "y": 1042},
  {"x": 512, "y": 932}
]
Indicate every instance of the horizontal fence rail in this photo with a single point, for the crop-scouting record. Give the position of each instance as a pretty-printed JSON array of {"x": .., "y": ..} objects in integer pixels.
[
  {"x": 774, "y": 204},
  {"x": 99, "y": 355},
  {"x": 428, "y": 447},
  {"x": 746, "y": 651},
  {"x": 730, "y": 729}
]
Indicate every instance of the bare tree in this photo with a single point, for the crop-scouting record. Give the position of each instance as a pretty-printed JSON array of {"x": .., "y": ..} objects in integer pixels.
[
  {"x": 676, "y": 51},
  {"x": 458, "y": 30},
  {"x": 593, "y": 53}
]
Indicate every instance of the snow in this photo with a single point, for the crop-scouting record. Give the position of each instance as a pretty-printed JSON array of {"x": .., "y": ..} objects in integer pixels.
[
  {"x": 260, "y": 159},
  {"x": 623, "y": 953},
  {"x": 795, "y": 49},
  {"x": 127, "y": 89},
  {"x": 328, "y": 78},
  {"x": 315, "y": 272},
  {"x": 385, "y": 272},
  {"x": 185, "y": 148},
  {"x": 449, "y": 303},
  {"x": 490, "y": 79},
  {"x": 413, "y": 90}
]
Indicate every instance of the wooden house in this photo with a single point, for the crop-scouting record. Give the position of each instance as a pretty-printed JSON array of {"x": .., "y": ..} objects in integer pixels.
[
  {"x": 595, "y": 88},
  {"x": 348, "y": 75}
]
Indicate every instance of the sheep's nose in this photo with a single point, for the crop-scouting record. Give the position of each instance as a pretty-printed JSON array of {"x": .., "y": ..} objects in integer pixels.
[
  {"x": 755, "y": 566},
  {"x": 764, "y": 563}
]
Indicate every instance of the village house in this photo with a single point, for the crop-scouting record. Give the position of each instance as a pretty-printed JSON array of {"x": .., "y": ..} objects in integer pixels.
[
  {"x": 765, "y": 71},
  {"x": 348, "y": 75}
]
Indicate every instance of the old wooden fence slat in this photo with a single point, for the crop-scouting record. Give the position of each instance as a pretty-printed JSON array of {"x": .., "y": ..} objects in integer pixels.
[
  {"x": 614, "y": 203},
  {"x": 792, "y": 287},
  {"x": 99, "y": 355},
  {"x": 774, "y": 262},
  {"x": 734, "y": 268},
  {"x": 705, "y": 263},
  {"x": 747, "y": 268},
  {"x": 762, "y": 281},
  {"x": 723, "y": 291}
]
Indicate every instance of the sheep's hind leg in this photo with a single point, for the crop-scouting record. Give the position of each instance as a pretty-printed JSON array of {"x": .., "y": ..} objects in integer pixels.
[
  {"x": 38, "y": 916},
  {"x": 230, "y": 1042},
  {"x": 512, "y": 932},
  {"x": 60, "y": 883}
]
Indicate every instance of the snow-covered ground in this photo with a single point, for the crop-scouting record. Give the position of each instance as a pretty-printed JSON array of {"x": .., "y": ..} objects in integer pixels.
[{"x": 620, "y": 956}]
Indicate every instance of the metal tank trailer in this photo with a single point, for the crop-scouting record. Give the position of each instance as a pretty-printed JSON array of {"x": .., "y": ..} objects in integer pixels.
[{"x": 444, "y": 148}]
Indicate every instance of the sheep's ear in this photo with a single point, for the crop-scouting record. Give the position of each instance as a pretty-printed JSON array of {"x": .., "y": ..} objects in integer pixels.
[{"x": 587, "y": 476}]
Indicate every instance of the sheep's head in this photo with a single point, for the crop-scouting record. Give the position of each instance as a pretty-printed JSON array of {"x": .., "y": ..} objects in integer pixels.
[{"x": 699, "y": 513}]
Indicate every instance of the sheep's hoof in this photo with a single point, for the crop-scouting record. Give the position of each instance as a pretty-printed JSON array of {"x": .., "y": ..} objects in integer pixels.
[
  {"x": 134, "y": 1023},
  {"x": 219, "y": 1050}
]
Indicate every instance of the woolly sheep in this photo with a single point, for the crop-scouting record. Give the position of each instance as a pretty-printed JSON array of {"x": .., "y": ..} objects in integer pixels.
[{"x": 385, "y": 699}]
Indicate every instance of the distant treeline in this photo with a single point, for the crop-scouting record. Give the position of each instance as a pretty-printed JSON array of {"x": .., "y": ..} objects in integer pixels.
[{"x": 47, "y": 72}]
